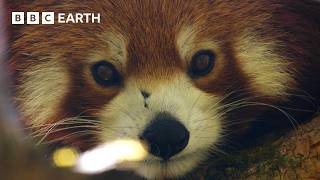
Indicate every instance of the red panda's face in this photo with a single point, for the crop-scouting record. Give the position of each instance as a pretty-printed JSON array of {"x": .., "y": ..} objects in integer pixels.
[{"x": 167, "y": 72}]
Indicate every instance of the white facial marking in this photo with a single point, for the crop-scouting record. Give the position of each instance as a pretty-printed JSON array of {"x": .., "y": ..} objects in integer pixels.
[
  {"x": 189, "y": 42},
  {"x": 126, "y": 117},
  {"x": 112, "y": 49},
  {"x": 268, "y": 71},
  {"x": 44, "y": 88},
  {"x": 185, "y": 40}
]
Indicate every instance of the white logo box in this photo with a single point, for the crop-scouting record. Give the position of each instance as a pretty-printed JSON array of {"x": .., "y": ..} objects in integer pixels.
[{"x": 32, "y": 18}]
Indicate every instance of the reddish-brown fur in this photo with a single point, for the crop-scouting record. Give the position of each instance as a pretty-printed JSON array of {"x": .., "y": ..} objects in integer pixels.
[{"x": 151, "y": 27}]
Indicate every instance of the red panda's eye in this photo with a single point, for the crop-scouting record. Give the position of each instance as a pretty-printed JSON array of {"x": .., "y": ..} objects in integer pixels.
[
  {"x": 105, "y": 74},
  {"x": 202, "y": 63}
]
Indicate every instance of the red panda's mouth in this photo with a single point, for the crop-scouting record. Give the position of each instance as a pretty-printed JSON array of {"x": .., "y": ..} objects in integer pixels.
[
  {"x": 174, "y": 160},
  {"x": 175, "y": 167}
]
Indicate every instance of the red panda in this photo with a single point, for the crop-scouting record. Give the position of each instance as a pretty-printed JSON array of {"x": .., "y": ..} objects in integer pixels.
[{"x": 180, "y": 75}]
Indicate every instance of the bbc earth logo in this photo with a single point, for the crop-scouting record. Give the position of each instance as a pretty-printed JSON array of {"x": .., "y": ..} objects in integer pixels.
[{"x": 54, "y": 18}]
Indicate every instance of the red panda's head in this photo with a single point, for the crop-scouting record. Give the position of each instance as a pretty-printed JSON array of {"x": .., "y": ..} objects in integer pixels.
[{"x": 176, "y": 74}]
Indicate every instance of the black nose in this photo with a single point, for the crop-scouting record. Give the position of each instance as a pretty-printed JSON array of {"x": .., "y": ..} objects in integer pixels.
[{"x": 166, "y": 136}]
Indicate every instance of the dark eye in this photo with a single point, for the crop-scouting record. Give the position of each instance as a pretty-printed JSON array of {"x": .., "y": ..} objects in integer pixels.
[
  {"x": 202, "y": 63},
  {"x": 105, "y": 74}
]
